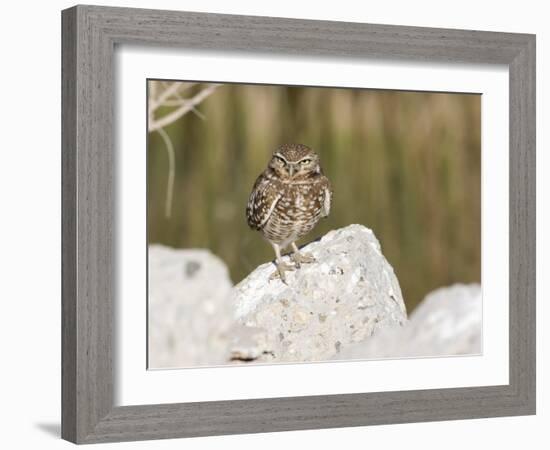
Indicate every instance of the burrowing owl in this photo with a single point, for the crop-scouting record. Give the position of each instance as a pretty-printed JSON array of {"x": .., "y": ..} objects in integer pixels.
[{"x": 287, "y": 201}]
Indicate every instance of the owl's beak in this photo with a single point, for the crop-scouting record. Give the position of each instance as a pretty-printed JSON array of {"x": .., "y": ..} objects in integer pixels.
[{"x": 291, "y": 169}]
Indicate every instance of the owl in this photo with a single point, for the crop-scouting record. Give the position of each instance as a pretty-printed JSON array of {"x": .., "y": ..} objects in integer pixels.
[{"x": 287, "y": 201}]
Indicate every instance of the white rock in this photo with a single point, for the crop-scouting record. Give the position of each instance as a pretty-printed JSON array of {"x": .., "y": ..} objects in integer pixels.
[
  {"x": 189, "y": 313},
  {"x": 447, "y": 322},
  {"x": 346, "y": 296}
]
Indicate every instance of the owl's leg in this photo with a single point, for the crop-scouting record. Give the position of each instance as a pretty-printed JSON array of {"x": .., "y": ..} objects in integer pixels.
[
  {"x": 282, "y": 267},
  {"x": 300, "y": 258}
]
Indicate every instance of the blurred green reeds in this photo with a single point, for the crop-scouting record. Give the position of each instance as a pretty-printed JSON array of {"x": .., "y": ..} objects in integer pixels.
[{"x": 406, "y": 164}]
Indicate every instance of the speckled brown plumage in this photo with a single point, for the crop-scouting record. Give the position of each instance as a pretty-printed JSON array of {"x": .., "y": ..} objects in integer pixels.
[{"x": 289, "y": 198}]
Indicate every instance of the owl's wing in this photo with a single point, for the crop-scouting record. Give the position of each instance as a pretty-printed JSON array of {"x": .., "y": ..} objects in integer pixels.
[
  {"x": 327, "y": 197},
  {"x": 263, "y": 199}
]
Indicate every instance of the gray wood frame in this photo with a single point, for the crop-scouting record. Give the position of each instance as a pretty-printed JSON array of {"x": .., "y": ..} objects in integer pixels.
[{"x": 90, "y": 34}]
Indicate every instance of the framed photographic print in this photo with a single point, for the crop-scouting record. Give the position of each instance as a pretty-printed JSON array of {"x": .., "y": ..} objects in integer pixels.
[{"x": 278, "y": 224}]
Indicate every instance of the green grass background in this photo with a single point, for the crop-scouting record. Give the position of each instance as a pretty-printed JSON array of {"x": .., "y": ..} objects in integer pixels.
[{"x": 405, "y": 164}]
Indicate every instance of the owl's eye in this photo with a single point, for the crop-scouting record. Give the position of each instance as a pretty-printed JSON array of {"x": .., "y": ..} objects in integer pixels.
[
  {"x": 280, "y": 160},
  {"x": 305, "y": 161}
]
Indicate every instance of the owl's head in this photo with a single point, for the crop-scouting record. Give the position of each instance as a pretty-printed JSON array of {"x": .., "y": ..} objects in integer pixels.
[{"x": 294, "y": 161}]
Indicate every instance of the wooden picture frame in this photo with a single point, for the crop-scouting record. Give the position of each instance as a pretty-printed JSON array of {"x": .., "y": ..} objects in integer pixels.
[{"x": 90, "y": 34}]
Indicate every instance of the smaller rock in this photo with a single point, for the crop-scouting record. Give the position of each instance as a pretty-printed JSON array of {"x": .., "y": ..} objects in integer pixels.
[
  {"x": 248, "y": 344},
  {"x": 447, "y": 322},
  {"x": 190, "y": 317}
]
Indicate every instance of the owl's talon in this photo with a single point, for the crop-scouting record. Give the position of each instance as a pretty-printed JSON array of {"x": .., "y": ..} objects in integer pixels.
[
  {"x": 282, "y": 267},
  {"x": 302, "y": 258}
]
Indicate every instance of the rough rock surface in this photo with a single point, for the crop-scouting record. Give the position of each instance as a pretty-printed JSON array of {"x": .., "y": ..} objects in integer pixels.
[
  {"x": 447, "y": 322},
  {"x": 190, "y": 317},
  {"x": 346, "y": 296}
]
